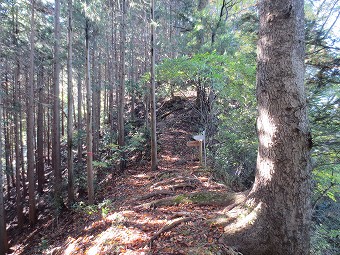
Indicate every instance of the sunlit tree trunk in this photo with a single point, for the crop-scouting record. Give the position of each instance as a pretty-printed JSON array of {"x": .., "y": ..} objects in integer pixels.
[
  {"x": 280, "y": 198},
  {"x": 70, "y": 165},
  {"x": 152, "y": 93},
  {"x": 30, "y": 125}
]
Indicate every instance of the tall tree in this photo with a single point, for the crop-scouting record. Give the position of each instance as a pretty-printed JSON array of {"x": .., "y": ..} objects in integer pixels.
[
  {"x": 121, "y": 89},
  {"x": 30, "y": 124},
  {"x": 3, "y": 232},
  {"x": 18, "y": 160},
  {"x": 89, "y": 137},
  {"x": 40, "y": 133},
  {"x": 56, "y": 160},
  {"x": 280, "y": 197},
  {"x": 70, "y": 108},
  {"x": 152, "y": 92}
]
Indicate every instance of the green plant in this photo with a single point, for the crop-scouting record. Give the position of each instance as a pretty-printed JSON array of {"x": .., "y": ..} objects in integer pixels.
[{"x": 105, "y": 207}]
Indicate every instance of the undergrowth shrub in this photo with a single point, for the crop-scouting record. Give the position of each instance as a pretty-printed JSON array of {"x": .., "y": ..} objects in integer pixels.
[{"x": 236, "y": 148}]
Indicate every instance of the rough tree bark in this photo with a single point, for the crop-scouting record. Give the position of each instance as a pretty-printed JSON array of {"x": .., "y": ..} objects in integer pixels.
[{"x": 280, "y": 215}]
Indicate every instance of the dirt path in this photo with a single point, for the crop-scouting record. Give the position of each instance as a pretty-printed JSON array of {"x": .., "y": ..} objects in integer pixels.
[{"x": 175, "y": 210}]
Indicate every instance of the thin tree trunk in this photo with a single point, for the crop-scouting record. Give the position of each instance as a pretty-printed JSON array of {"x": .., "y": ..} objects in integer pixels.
[
  {"x": 62, "y": 103},
  {"x": 121, "y": 94},
  {"x": 89, "y": 138},
  {"x": 152, "y": 93},
  {"x": 79, "y": 123},
  {"x": 48, "y": 131},
  {"x": 30, "y": 125},
  {"x": 40, "y": 135},
  {"x": 70, "y": 109},
  {"x": 22, "y": 165},
  {"x": 7, "y": 149},
  {"x": 56, "y": 159},
  {"x": 3, "y": 232},
  {"x": 18, "y": 160}
]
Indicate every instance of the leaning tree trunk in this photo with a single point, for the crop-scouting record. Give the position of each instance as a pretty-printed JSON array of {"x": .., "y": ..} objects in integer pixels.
[{"x": 280, "y": 198}]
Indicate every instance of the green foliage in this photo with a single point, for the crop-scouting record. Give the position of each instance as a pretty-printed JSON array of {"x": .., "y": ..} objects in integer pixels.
[
  {"x": 82, "y": 207},
  {"x": 43, "y": 244},
  {"x": 236, "y": 149},
  {"x": 103, "y": 208},
  {"x": 322, "y": 82}
]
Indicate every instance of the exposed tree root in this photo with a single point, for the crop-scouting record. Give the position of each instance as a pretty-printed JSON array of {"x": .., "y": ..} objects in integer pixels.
[
  {"x": 157, "y": 203},
  {"x": 200, "y": 198},
  {"x": 176, "y": 181},
  {"x": 182, "y": 186},
  {"x": 154, "y": 194},
  {"x": 180, "y": 214},
  {"x": 168, "y": 227}
]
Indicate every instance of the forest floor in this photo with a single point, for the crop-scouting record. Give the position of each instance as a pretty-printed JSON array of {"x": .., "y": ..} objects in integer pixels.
[{"x": 178, "y": 209}]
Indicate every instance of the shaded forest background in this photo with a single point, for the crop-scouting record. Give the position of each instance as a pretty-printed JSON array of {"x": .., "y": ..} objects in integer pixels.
[{"x": 205, "y": 49}]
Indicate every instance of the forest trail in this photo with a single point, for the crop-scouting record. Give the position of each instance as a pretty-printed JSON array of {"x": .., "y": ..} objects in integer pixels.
[{"x": 174, "y": 210}]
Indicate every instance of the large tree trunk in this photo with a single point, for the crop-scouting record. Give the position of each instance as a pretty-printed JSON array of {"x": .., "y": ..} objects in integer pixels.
[
  {"x": 280, "y": 197},
  {"x": 152, "y": 93},
  {"x": 30, "y": 127}
]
